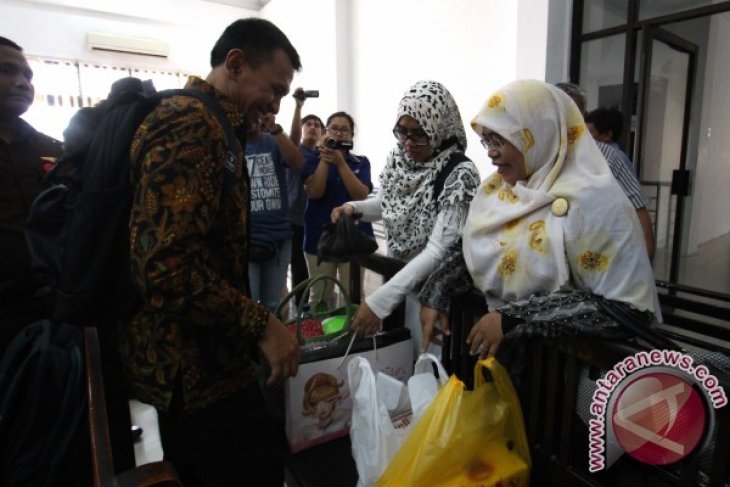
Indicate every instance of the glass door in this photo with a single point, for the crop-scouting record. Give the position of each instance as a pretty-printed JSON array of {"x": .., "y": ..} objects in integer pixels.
[{"x": 665, "y": 94}]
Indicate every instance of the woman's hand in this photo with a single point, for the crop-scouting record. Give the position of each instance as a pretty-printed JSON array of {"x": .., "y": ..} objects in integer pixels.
[
  {"x": 365, "y": 321},
  {"x": 339, "y": 210},
  {"x": 485, "y": 336},
  {"x": 429, "y": 317},
  {"x": 338, "y": 158},
  {"x": 326, "y": 155}
]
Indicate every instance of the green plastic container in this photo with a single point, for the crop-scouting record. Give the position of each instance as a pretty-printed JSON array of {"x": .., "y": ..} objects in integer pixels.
[{"x": 334, "y": 324}]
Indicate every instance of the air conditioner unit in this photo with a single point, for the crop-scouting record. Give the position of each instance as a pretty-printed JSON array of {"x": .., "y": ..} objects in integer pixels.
[{"x": 98, "y": 41}]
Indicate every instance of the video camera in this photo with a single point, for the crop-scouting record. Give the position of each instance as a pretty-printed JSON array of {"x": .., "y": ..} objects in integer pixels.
[
  {"x": 338, "y": 144},
  {"x": 304, "y": 94}
]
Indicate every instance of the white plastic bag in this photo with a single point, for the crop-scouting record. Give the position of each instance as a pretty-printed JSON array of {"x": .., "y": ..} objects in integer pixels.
[{"x": 383, "y": 410}]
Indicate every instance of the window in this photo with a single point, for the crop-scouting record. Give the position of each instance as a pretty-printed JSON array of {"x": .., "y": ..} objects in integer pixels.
[{"x": 64, "y": 86}]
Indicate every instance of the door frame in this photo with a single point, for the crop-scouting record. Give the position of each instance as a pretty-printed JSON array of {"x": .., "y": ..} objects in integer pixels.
[{"x": 681, "y": 176}]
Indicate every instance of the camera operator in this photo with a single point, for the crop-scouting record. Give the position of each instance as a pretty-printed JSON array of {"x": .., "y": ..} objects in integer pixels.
[{"x": 333, "y": 178}]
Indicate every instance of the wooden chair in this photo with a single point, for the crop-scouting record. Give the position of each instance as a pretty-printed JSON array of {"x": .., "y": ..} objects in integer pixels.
[{"x": 152, "y": 474}]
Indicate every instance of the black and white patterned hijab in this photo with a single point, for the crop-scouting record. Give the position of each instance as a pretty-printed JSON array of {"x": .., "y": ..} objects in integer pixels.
[{"x": 409, "y": 206}]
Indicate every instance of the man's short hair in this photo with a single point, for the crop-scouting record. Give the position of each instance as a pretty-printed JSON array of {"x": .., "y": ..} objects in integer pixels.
[
  {"x": 605, "y": 119},
  {"x": 312, "y": 116},
  {"x": 7, "y": 42},
  {"x": 258, "y": 38},
  {"x": 574, "y": 91}
]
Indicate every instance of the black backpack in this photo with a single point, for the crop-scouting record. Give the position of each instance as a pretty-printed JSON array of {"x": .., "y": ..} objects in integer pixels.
[
  {"x": 43, "y": 411},
  {"x": 78, "y": 229}
]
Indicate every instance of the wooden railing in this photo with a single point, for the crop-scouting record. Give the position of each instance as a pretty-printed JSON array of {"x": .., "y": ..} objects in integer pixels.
[{"x": 152, "y": 474}]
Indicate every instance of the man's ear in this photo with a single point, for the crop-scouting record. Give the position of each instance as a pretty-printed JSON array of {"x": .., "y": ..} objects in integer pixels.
[{"x": 235, "y": 62}]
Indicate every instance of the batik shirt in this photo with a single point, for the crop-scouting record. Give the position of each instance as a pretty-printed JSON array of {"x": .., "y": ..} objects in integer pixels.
[{"x": 188, "y": 234}]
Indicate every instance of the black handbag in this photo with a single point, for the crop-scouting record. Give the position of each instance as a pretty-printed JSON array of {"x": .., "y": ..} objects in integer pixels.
[
  {"x": 261, "y": 251},
  {"x": 343, "y": 241}
]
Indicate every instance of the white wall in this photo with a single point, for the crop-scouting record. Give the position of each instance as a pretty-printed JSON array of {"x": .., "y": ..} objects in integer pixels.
[
  {"x": 532, "y": 39},
  {"x": 361, "y": 54},
  {"x": 57, "y": 28},
  {"x": 311, "y": 27},
  {"x": 711, "y": 204},
  {"x": 557, "y": 56},
  {"x": 468, "y": 45}
]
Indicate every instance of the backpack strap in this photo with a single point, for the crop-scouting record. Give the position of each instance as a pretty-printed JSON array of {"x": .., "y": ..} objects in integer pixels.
[
  {"x": 232, "y": 162},
  {"x": 454, "y": 160}
]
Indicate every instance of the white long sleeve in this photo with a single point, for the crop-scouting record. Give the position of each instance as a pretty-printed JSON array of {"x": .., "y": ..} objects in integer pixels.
[
  {"x": 370, "y": 208},
  {"x": 387, "y": 297}
]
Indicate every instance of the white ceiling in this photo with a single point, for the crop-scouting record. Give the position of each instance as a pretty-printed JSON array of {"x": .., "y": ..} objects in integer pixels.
[{"x": 249, "y": 4}]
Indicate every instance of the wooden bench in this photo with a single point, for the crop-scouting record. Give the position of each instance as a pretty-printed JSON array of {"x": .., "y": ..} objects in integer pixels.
[{"x": 152, "y": 474}]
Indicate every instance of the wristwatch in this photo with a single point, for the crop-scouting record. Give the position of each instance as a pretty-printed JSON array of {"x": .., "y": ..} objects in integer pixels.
[{"x": 276, "y": 130}]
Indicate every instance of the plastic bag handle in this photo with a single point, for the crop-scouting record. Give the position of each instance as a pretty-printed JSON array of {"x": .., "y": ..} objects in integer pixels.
[
  {"x": 352, "y": 340},
  {"x": 423, "y": 366}
]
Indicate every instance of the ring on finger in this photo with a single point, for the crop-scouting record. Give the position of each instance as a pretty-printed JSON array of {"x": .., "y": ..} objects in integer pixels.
[{"x": 482, "y": 347}]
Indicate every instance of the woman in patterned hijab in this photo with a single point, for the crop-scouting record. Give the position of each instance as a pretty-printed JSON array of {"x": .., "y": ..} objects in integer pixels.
[
  {"x": 420, "y": 224},
  {"x": 552, "y": 217}
]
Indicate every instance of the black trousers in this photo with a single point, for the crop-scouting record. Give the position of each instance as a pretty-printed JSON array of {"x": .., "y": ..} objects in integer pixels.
[
  {"x": 299, "y": 270},
  {"x": 233, "y": 442}
]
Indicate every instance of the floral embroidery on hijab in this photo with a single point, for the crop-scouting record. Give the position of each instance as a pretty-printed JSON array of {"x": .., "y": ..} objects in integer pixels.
[
  {"x": 506, "y": 194},
  {"x": 528, "y": 140},
  {"x": 508, "y": 264},
  {"x": 493, "y": 183},
  {"x": 575, "y": 132},
  {"x": 494, "y": 101},
  {"x": 593, "y": 261}
]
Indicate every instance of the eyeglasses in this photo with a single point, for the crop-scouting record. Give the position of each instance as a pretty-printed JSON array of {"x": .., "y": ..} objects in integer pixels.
[
  {"x": 418, "y": 137},
  {"x": 493, "y": 141},
  {"x": 338, "y": 130}
]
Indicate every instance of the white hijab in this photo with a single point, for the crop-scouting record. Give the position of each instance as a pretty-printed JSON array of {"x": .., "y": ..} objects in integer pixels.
[{"x": 518, "y": 242}]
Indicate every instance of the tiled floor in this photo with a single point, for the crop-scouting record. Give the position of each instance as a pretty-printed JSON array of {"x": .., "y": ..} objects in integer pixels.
[
  {"x": 708, "y": 268},
  {"x": 148, "y": 449}
]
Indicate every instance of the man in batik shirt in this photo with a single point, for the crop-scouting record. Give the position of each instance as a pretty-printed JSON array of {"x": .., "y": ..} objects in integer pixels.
[{"x": 191, "y": 351}]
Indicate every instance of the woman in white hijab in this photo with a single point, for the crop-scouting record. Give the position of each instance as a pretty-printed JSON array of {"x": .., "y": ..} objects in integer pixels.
[
  {"x": 421, "y": 219},
  {"x": 550, "y": 234}
]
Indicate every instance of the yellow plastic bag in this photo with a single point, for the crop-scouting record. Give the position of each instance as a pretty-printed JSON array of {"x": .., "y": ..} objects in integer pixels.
[{"x": 466, "y": 438}]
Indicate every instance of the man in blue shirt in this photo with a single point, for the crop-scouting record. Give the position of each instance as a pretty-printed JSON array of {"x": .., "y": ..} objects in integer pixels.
[{"x": 268, "y": 150}]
